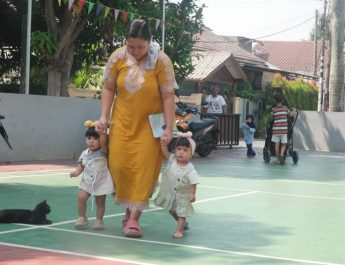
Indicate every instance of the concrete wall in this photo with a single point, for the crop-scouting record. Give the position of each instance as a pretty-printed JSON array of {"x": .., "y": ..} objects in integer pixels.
[
  {"x": 244, "y": 106},
  {"x": 320, "y": 131},
  {"x": 42, "y": 127}
]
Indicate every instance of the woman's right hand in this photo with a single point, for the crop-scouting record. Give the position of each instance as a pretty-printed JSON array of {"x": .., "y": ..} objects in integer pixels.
[{"x": 101, "y": 125}]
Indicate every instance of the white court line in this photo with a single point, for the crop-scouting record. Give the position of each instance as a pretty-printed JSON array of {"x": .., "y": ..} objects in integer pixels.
[
  {"x": 276, "y": 193},
  {"x": 28, "y": 176},
  {"x": 284, "y": 180},
  {"x": 35, "y": 171},
  {"x": 226, "y": 197},
  {"x": 270, "y": 167},
  {"x": 238, "y": 253},
  {"x": 73, "y": 253},
  {"x": 311, "y": 182},
  {"x": 32, "y": 227}
]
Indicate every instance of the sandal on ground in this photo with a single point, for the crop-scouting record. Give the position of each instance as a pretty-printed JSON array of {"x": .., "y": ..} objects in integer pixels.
[
  {"x": 177, "y": 235},
  {"x": 81, "y": 223},
  {"x": 132, "y": 229},
  {"x": 98, "y": 225}
]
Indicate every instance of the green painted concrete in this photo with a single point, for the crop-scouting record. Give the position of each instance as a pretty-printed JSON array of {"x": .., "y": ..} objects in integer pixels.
[{"x": 247, "y": 212}]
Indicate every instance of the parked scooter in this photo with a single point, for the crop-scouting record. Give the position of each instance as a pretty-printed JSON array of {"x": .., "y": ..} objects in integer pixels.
[{"x": 204, "y": 131}]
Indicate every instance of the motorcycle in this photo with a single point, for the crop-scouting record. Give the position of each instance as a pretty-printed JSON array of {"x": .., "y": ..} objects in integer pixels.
[{"x": 204, "y": 131}]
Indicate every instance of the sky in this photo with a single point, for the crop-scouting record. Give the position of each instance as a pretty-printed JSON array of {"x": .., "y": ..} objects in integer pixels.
[{"x": 258, "y": 19}]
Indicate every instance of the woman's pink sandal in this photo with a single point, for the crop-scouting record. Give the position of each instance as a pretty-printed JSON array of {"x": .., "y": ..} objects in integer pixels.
[{"x": 132, "y": 229}]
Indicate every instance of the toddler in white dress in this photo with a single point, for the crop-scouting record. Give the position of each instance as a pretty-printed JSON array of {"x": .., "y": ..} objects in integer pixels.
[
  {"x": 96, "y": 179},
  {"x": 179, "y": 180}
]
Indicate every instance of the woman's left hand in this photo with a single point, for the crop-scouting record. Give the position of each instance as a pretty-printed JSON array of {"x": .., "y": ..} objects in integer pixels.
[{"x": 167, "y": 136}]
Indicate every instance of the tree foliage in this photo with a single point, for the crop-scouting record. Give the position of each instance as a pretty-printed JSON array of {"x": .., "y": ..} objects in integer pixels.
[
  {"x": 298, "y": 93},
  {"x": 65, "y": 41}
]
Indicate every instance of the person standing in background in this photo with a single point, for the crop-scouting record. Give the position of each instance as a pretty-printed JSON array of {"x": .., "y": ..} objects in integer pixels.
[{"x": 215, "y": 103}]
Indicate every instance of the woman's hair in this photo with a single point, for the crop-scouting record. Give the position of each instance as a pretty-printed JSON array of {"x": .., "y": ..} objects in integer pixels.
[
  {"x": 139, "y": 28},
  {"x": 183, "y": 141},
  {"x": 91, "y": 132}
]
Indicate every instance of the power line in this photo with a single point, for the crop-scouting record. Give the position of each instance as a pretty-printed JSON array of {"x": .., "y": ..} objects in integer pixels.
[
  {"x": 276, "y": 24},
  {"x": 282, "y": 31}
]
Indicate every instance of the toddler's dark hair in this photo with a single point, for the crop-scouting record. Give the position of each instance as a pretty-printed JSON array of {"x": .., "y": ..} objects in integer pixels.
[
  {"x": 183, "y": 141},
  {"x": 91, "y": 132},
  {"x": 279, "y": 98}
]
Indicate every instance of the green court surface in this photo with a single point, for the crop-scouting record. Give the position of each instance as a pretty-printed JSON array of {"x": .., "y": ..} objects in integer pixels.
[{"x": 247, "y": 212}]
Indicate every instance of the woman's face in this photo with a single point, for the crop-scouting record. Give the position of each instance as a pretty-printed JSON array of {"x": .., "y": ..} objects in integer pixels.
[{"x": 137, "y": 47}]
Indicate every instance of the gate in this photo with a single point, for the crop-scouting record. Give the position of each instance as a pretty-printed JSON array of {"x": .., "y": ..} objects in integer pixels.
[{"x": 228, "y": 126}]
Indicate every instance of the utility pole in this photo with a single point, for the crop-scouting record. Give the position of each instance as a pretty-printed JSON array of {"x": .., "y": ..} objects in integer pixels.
[
  {"x": 315, "y": 43},
  {"x": 336, "y": 81},
  {"x": 322, "y": 58}
]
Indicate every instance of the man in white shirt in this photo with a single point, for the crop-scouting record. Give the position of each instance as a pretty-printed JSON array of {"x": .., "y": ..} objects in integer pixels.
[{"x": 214, "y": 103}]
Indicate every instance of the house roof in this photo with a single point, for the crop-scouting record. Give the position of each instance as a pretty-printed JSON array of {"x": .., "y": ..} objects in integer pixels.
[
  {"x": 292, "y": 56},
  {"x": 209, "y": 41},
  {"x": 208, "y": 63}
]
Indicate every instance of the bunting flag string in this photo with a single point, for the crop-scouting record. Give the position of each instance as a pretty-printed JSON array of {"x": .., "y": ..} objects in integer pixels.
[
  {"x": 70, "y": 3},
  {"x": 80, "y": 5},
  {"x": 99, "y": 8},
  {"x": 116, "y": 14},
  {"x": 126, "y": 16}
]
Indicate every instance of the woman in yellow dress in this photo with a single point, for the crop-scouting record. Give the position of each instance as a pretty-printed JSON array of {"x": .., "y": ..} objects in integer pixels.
[{"x": 139, "y": 81}]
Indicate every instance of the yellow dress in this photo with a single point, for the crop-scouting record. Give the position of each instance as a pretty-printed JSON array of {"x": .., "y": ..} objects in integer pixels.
[{"x": 135, "y": 156}]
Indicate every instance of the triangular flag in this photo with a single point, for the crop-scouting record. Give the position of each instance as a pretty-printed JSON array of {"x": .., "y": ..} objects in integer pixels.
[
  {"x": 81, "y": 4},
  {"x": 157, "y": 23},
  {"x": 70, "y": 3},
  {"x": 59, "y": 1},
  {"x": 116, "y": 14},
  {"x": 125, "y": 17},
  {"x": 91, "y": 5},
  {"x": 99, "y": 8},
  {"x": 75, "y": 9},
  {"x": 131, "y": 16},
  {"x": 106, "y": 12}
]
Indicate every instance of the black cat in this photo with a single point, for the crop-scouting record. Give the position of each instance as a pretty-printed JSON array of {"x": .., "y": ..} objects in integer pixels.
[{"x": 38, "y": 216}]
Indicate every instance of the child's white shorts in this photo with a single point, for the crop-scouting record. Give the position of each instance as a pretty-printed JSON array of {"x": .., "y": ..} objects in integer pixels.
[{"x": 276, "y": 138}]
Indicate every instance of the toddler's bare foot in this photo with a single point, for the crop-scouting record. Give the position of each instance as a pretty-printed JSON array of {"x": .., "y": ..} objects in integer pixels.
[{"x": 177, "y": 234}]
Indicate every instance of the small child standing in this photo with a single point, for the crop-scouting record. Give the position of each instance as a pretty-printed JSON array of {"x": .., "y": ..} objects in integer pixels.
[
  {"x": 249, "y": 130},
  {"x": 96, "y": 179},
  {"x": 179, "y": 180},
  {"x": 280, "y": 114}
]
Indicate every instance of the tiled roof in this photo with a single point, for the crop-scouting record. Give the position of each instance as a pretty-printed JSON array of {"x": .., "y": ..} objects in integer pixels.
[
  {"x": 293, "y": 56},
  {"x": 209, "y": 41},
  {"x": 205, "y": 63}
]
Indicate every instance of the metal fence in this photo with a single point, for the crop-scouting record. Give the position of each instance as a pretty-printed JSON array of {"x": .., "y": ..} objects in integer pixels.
[{"x": 228, "y": 126}]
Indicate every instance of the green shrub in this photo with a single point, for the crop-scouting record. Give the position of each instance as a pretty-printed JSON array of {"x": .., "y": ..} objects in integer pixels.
[
  {"x": 298, "y": 93},
  {"x": 88, "y": 78}
]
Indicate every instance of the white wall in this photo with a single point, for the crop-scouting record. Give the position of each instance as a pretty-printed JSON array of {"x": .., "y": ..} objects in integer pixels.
[
  {"x": 239, "y": 107},
  {"x": 320, "y": 131},
  {"x": 42, "y": 127}
]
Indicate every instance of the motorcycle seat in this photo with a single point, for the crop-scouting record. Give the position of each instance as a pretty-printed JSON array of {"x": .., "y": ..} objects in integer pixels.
[{"x": 201, "y": 124}]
